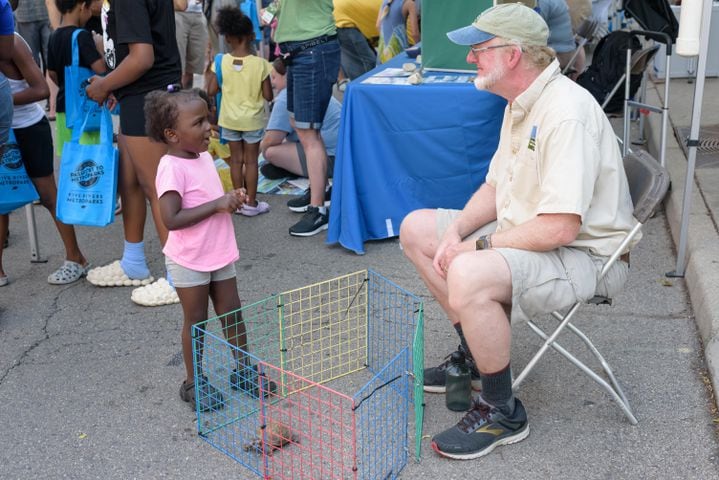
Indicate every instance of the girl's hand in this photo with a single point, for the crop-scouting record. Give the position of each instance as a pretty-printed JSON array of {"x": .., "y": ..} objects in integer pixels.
[
  {"x": 227, "y": 203},
  {"x": 241, "y": 195},
  {"x": 96, "y": 89}
]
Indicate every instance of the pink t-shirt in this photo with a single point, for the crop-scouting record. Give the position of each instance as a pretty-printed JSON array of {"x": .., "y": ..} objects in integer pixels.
[{"x": 210, "y": 244}]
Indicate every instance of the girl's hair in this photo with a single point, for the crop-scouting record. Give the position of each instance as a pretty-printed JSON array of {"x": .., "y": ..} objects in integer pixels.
[
  {"x": 65, "y": 6},
  {"x": 162, "y": 109},
  {"x": 232, "y": 22}
]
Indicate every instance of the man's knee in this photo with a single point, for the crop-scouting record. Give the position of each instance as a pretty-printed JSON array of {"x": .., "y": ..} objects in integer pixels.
[{"x": 413, "y": 228}]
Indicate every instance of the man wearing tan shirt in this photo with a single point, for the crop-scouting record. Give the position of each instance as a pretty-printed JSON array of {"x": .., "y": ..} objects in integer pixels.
[{"x": 536, "y": 234}]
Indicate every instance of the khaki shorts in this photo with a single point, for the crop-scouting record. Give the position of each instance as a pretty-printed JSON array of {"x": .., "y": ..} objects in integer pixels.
[
  {"x": 191, "y": 35},
  {"x": 543, "y": 282},
  {"x": 183, "y": 277}
]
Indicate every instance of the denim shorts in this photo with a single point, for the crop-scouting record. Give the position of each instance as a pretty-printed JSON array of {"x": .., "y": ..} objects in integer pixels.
[
  {"x": 183, "y": 277},
  {"x": 310, "y": 78},
  {"x": 250, "y": 136}
]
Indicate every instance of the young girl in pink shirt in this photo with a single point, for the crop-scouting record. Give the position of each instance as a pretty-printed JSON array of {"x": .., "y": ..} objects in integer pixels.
[{"x": 201, "y": 250}]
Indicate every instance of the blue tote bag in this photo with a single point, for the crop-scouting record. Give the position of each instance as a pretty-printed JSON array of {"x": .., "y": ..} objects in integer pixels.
[
  {"x": 87, "y": 183},
  {"x": 16, "y": 189},
  {"x": 77, "y": 104}
]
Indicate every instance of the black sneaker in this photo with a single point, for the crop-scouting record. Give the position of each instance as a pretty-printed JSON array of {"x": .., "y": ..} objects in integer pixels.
[
  {"x": 300, "y": 204},
  {"x": 312, "y": 222},
  {"x": 435, "y": 377},
  {"x": 210, "y": 397},
  {"x": 247, "y": 380},
  {"x": 273, "y": 172},
  {"x": 482, "y": 429}
]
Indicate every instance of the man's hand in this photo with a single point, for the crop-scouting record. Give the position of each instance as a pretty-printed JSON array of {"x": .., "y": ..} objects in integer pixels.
[{"x": 446, "y": 251}]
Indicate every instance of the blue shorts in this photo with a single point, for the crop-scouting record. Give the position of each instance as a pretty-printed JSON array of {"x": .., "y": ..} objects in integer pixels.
[
  {"x": 250, "y": 136},
  {"x": 310, "y": 78}
]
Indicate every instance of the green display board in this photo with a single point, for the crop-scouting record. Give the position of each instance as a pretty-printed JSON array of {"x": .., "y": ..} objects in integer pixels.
[{"x": 440, "y": 17}]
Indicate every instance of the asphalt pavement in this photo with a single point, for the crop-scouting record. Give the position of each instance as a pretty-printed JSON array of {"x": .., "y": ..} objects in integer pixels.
[{"x": 89, "y": 381}]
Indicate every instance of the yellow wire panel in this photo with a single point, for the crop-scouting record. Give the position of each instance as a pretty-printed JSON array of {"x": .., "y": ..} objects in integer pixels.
[{"x": 324, "y": 328}]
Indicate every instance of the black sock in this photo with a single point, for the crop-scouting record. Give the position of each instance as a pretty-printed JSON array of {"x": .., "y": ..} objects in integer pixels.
[{"x": 497, "y": 390}]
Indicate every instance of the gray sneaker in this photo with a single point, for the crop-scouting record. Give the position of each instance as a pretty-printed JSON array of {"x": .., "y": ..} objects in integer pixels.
[
  {"x": 482, "y": 429},
  {"x": 435, "y": 377}
]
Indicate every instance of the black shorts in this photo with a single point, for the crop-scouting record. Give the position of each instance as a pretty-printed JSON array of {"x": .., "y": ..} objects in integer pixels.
[
  {"x": 132, "y": 115},
  {"x": 35, "y": 143}
]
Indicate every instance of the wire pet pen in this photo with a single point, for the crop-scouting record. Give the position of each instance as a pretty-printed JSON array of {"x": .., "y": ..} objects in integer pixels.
[{"x": 321, "y": 383}]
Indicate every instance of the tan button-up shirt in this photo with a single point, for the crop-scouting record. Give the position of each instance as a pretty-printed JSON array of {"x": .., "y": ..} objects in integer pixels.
[{"x": 558, "y": 153}]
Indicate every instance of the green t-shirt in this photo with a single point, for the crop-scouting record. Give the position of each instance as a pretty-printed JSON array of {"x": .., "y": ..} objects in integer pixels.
[{"x": 300, "y": 20}]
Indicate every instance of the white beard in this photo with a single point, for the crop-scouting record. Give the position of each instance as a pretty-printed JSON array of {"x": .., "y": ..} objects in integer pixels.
[{"x": 486, "y": 82}]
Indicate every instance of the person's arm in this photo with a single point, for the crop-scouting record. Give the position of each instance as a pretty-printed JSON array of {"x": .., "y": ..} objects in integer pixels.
[
  {"x": 272, "y": 138},
  {"x": 37, "y": 86},
  {"x": 53, "y": 13},
  {"x": 479, "y": 211},
  {"x": 267, "y": 89},
  {"x": 7, "y": 43},
  {"x": 138, "y": 61},
  {"x": 179, "y": 5},
  {"x": 176, "y": 218},
  {"x": 409, "y": 10},
  {"x": 211, "y": 84}
]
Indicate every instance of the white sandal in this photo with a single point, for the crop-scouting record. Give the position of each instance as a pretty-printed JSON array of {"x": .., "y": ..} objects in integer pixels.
[
  {"x": 155, "y": 294},
  {"x": 112, "y": 275},
  {"x": 68, "y": 272}
]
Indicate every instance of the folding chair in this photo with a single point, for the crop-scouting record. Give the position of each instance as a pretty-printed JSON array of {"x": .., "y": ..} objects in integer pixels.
[{"x": 648, "y": 184}]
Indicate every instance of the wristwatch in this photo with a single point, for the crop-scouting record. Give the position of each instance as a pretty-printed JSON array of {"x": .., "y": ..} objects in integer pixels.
[{"x": 484, "y": 242}]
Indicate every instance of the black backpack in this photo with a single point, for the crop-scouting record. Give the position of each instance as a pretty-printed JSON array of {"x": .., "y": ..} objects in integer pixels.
[{"x": 609, "y": 63}]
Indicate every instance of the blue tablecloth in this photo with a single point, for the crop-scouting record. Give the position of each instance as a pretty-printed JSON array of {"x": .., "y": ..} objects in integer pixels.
[{"x": 402, "y": 147}]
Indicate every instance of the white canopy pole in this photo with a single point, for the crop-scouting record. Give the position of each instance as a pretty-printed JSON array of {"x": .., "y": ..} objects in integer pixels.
[{"x": 693, "y": 140}]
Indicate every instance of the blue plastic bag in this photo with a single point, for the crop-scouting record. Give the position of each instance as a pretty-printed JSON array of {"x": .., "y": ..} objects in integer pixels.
[
  {"x": 87, "y": 182},
  {"x": 77, "y": 104},
  {"x": 16, "y": 188}
]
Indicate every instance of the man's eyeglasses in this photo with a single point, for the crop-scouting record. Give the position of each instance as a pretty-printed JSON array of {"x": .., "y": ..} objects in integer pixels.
[{"x": 477, "y": 51}]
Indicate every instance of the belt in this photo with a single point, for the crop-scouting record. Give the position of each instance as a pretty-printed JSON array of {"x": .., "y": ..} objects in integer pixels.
[{"x": 307, "y": 44}]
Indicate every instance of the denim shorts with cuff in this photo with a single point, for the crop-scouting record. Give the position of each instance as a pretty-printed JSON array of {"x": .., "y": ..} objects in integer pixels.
[{"x": 310, "y": 78}]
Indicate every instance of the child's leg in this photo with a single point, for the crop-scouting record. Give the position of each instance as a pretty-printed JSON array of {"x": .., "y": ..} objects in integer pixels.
[
  {"x": 236, "y": 164},
  {"x": 194, "y": 301},
  {"x": 251, "y": 152},
  {"x": 48, "y": 197},
  {"x": 225, "y": 300}
]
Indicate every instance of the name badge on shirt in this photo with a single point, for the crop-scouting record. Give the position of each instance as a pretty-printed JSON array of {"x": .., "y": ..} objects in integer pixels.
[{"x": 532, "y": 139}]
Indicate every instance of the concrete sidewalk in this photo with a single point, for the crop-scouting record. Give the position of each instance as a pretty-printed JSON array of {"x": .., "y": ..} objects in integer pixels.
[{"x": 702, "y": 258}]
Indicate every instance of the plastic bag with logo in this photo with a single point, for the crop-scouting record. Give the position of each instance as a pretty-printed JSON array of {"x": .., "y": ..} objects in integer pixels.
[
  {"x": 16, "y": 189},
  {"x": 77, "y": 105},
  {"x": 87, "y": 181}
]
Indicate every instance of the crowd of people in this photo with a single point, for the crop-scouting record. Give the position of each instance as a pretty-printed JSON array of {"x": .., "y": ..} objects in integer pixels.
[{"x": 532, "y": 239}]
